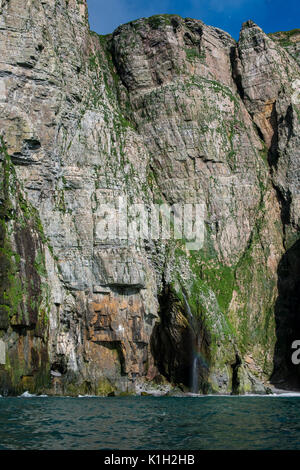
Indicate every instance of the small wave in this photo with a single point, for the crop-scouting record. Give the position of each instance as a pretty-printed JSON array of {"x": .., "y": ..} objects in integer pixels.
[
  {"x": 31, "y": 395},
  {"x": 27, "y": 395},
  {"x": 88, "y": 396}
]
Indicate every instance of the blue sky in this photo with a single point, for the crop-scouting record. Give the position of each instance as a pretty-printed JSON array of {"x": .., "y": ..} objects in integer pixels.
[{"x": 271, "y": 15}]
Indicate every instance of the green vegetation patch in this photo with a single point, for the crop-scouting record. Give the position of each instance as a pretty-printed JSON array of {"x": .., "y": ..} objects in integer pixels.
[
  {"x": 158, "y": 21},
  {"x": 22, "y": 263}
]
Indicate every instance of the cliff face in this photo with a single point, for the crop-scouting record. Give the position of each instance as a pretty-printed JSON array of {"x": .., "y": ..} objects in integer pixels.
[
  {"x": 164, "y": 110},
  {"x": 289, "y": 40}
]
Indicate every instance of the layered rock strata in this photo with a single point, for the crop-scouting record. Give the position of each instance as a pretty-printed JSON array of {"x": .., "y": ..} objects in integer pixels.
[{"x": 163, "y": 111}]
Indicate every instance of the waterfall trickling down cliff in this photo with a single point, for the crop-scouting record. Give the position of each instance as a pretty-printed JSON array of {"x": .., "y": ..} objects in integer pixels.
[
  {"x": 199, "y": 363},
  {"x": 195, "y": 375},
  {"x": 195, "y": 363}
]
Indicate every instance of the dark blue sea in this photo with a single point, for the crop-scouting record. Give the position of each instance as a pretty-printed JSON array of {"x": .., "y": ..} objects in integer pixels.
[{"x": 132, "y": 423}]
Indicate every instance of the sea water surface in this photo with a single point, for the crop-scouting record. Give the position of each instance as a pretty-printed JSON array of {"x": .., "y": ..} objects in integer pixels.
[{"x": 132, "y": 423}]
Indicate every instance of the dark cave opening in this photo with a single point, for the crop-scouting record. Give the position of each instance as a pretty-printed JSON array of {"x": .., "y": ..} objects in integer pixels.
[
  {"x": 286, "y": 375},
  {"x": 171, "y": 341},
  {"x": 180, "y": 345},
  {"x": 235, "y": 376}
]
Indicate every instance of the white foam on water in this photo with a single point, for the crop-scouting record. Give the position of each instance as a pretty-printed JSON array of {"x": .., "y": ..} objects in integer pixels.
[
  {"x": 27, "y": 395},
  {"x": 31, "y": 395}
]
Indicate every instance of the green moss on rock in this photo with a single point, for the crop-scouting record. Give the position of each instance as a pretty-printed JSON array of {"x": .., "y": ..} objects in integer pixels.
[{"x": 23, "y": 304}]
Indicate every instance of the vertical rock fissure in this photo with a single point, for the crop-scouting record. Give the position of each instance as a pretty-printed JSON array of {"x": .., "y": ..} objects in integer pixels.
[{"x": 235, "y": 384}]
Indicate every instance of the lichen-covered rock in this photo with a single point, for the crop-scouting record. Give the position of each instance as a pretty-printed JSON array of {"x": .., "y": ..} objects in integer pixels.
[{"x": 164, "y": 110}]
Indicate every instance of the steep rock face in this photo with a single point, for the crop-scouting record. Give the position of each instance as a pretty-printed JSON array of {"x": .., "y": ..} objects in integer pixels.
[
  {"x": 270, "y": 87},
  {"x": 71, "y": 148},
  {"x": 24, "y": 301},
  {"x": 164, "y": 110},
  {"x": 268, "y": 77},
  {"x": 289, "y": 40}
]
